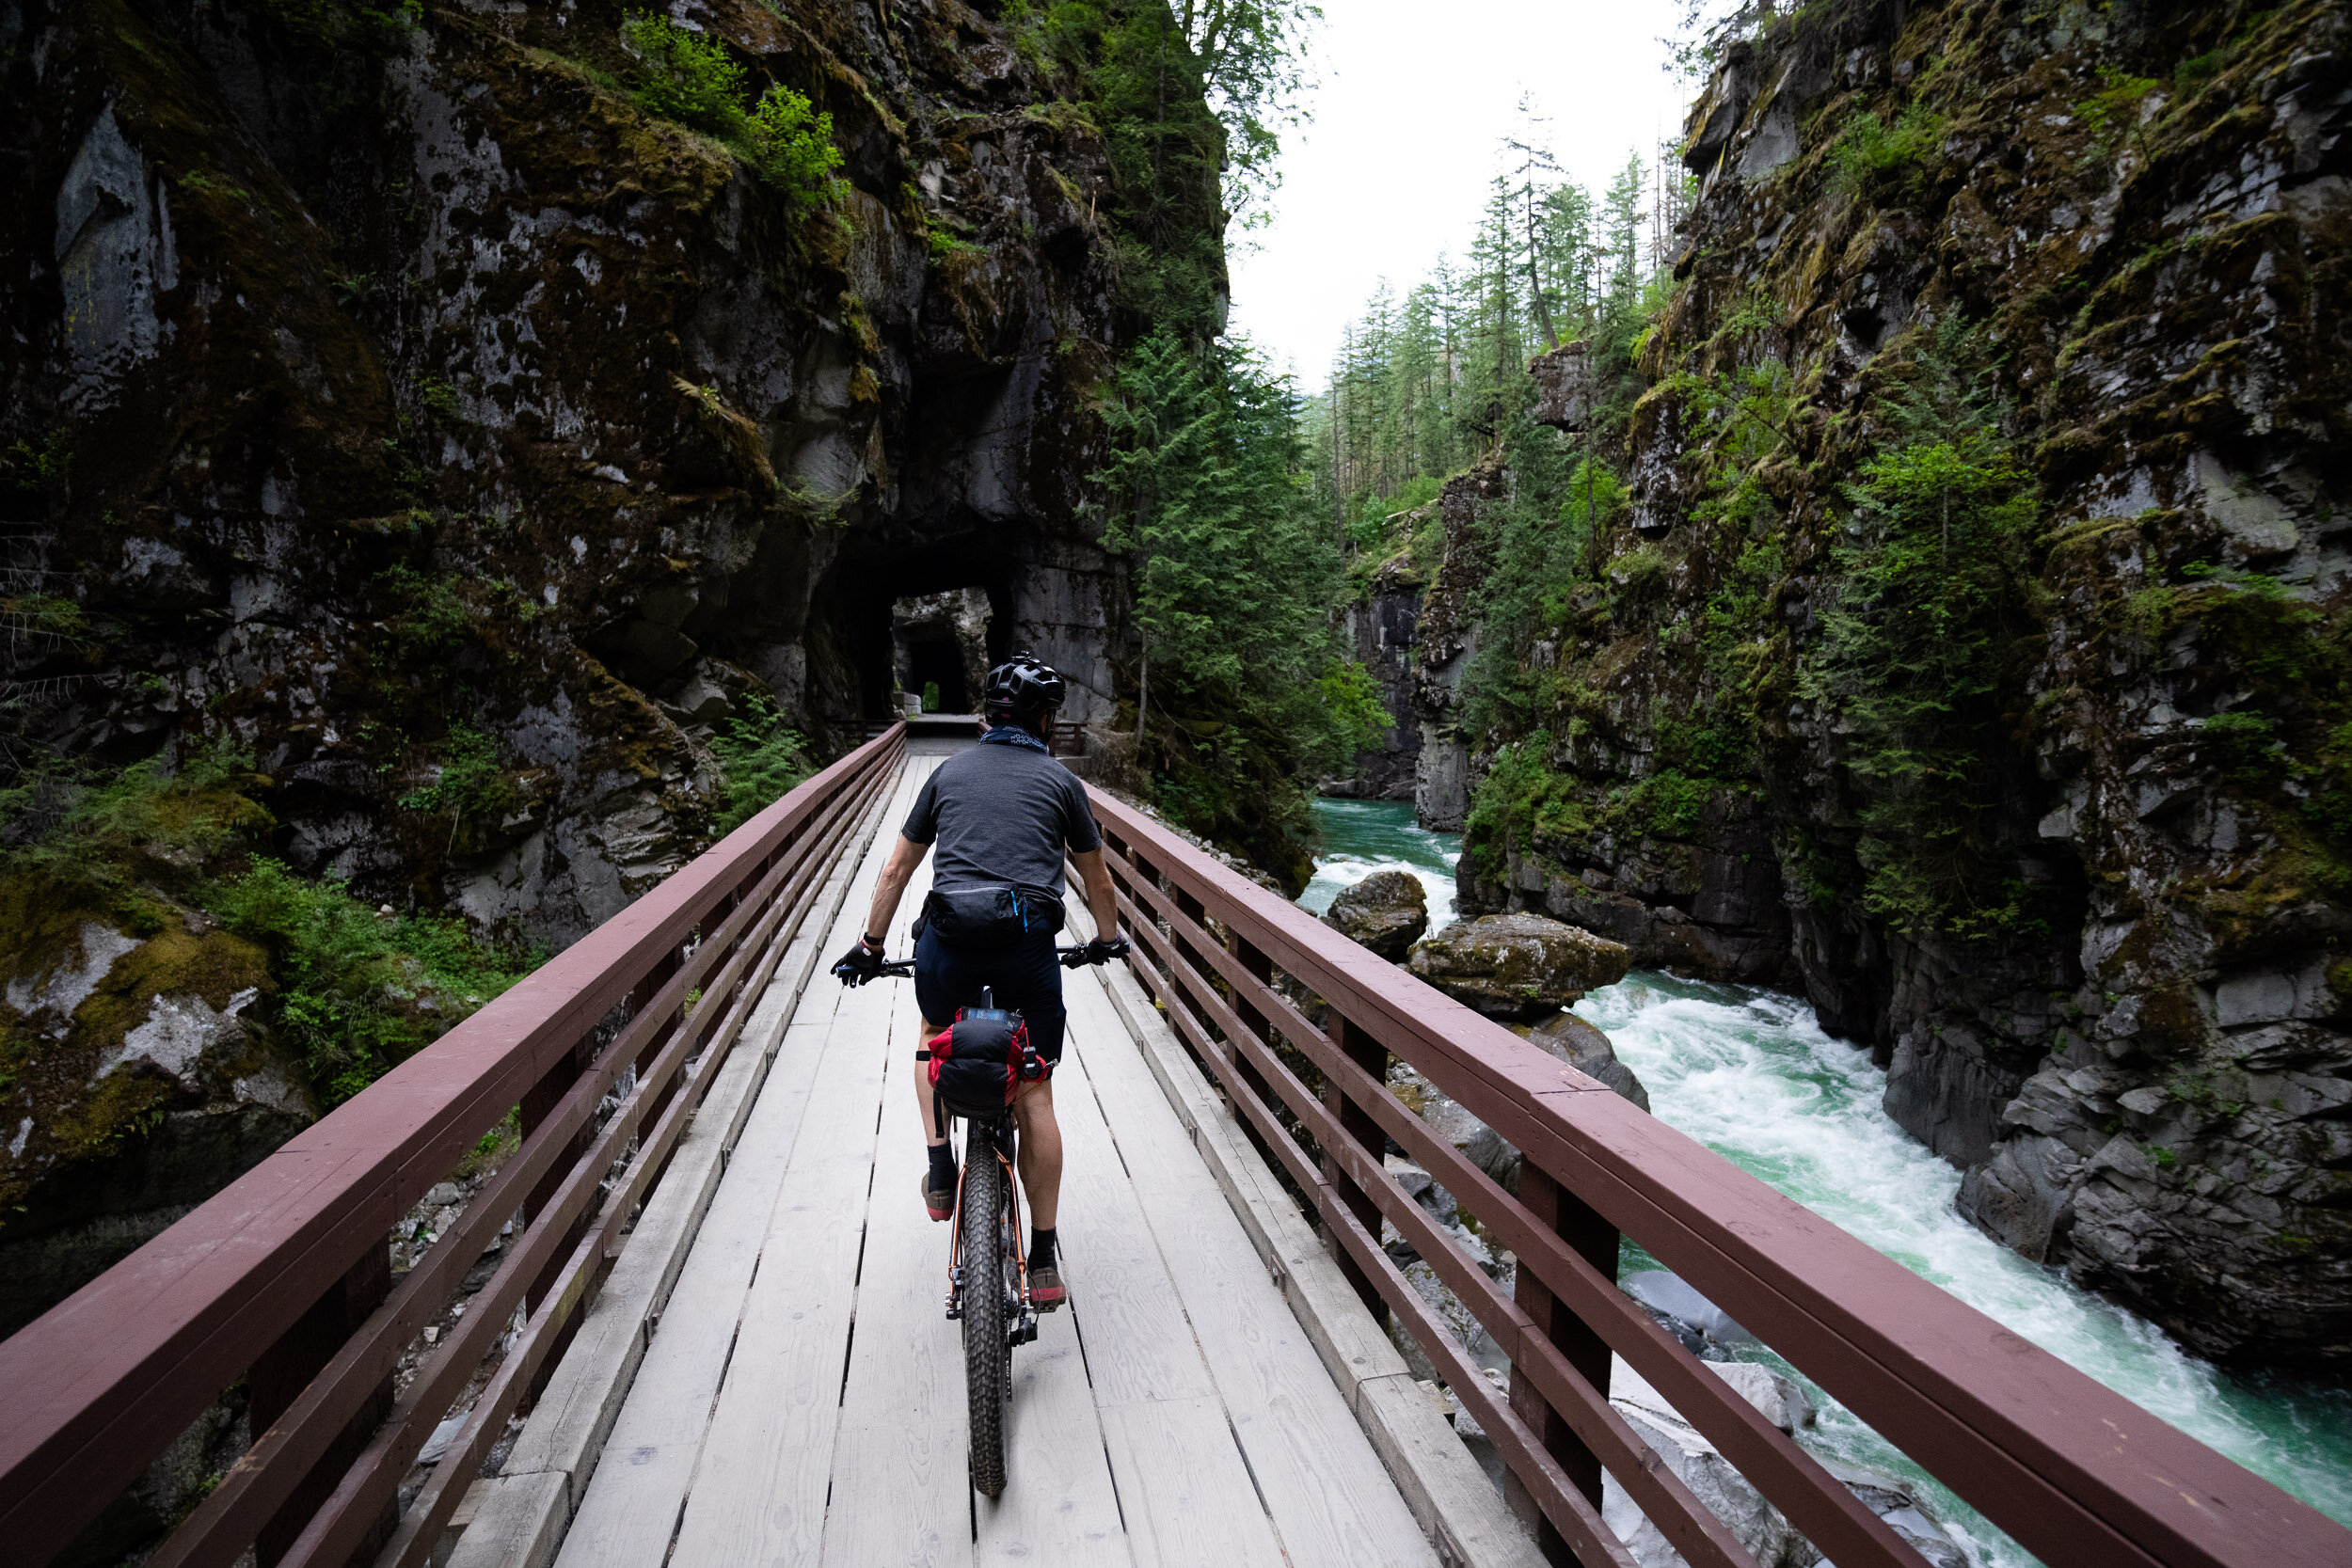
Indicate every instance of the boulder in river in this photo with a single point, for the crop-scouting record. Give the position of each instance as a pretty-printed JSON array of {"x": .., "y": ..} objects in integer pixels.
[
  {"x": 1713, "y": 1477},
  {"x": 1387, "y": 912},
  {"x": 1587, "y": 1049},
  {"x": 1520, "y": 967}
]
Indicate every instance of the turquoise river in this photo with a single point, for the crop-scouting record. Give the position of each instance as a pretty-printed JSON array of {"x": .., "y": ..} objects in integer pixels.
[{"x": 1751, "y": 1074}]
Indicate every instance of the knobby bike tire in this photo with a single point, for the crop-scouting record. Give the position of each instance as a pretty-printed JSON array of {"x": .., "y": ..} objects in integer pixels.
[{"x": 987, "y": 1353}]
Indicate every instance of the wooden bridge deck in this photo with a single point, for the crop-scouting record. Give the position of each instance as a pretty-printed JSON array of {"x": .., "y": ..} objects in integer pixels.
[{"x": 799, "y": 1399}]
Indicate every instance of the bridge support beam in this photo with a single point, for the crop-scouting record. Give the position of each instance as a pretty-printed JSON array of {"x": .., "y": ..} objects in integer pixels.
[
  {"x": 286, "y": 1369},
  {"x": 1357, "y": 1122},
  {"x": 1595, "y": 1240}
]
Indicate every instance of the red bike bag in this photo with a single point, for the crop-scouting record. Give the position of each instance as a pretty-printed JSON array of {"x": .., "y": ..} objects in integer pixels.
[{"x": 980, "y": 1061}]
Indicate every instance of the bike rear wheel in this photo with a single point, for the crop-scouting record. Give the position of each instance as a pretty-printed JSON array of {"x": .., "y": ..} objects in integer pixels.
[{"x": 987, "y": 1345}]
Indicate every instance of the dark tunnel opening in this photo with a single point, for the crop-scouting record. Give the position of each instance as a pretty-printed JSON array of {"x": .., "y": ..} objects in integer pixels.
[{"x": 940, "y": 660}]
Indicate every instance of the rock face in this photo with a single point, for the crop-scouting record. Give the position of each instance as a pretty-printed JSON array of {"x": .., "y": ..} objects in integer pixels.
[
  {"x": 1714, "y": 1480},
  {"x": 1518, "y": 966},
  {"x": 1387, "y": 911},
  {"x": 381, "y": 387},
  {"x": 1379, "y": 628},
  {"x": 2138, "y": 1042},
  {"x": 138, "y": 1076},
  {"x": 385, "y": 377},
  {"x": 1587, "y": 1049}
]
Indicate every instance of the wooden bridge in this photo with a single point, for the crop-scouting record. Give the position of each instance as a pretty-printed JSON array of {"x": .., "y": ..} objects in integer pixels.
[{"x": 696, "y": 1317}]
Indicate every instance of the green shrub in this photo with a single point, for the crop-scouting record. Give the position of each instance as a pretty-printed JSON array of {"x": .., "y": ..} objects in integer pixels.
[
  {"x": 1668, "y": 804},
  {"x": 1930, "y": 598},
  {"x": 90, "y": 832},
  {"x": 759, "y": 759},
  {"x": 1871, "y": 154},
  {"x": 691, "y": 77},
  {"x": 470, "y": 782},
  {"x": 792, "y": 149},
  {"x": 1357, "y": 718},
  {"x": 359, "y": 992},
  {"x": 2243, "y": 746},
  {"x": 1521, "y": 804},
  {"x": 930, "y": 696},
  {"x": 428, "y": 612}
]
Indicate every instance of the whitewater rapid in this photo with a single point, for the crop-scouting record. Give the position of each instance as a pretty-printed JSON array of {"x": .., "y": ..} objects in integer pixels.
[{"x": 1751, "y": 1074}]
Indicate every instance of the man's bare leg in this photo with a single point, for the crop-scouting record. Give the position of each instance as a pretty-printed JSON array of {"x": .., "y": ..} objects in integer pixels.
[
  {"x": 931, "y": 1134},
  {"x": 939, "y": 1176},
  {"x": 1039, "y": 1150}
]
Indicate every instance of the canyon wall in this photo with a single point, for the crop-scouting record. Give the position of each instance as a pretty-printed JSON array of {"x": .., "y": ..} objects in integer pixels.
[
  {"x": 2108, "y": 246},
  {"x": 382, "y": 391}
]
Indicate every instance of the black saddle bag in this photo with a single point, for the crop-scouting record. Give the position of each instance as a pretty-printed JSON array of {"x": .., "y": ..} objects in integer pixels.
[
  {"x": 992, "y": 917},
  {"x": 980, "y": 1061}
]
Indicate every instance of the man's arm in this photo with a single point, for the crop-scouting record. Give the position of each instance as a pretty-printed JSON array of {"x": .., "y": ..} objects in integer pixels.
[
  {"x": 1101, "y": 897},
  {"x": 905, "y": 856}
]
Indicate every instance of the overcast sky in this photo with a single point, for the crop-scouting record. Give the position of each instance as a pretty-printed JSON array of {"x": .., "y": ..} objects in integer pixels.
[{"x": 1406, "y": 131}]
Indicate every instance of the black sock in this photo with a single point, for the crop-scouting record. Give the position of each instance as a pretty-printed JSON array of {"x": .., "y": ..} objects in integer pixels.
[
  {"x": 1041, "y": 1247},
  {"x": 943, "y": 1167}
]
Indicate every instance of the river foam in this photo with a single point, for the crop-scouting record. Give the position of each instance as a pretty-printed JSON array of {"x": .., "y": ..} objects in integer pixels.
[{"x": 1752, "y": 1074}]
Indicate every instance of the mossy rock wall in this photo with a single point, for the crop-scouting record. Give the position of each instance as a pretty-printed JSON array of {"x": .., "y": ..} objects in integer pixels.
[
  {"x": 379, "y": 378},
  {"x": 2146, "y": 212}
]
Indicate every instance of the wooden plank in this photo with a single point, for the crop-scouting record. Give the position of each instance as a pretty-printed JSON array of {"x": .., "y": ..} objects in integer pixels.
[
  {"x": 1457, "y": 1507},
  {"x": 759, "y": 1493},
  {"x": 516, "y": 1523},
  {"x": 634, "y": 1501},
  {"x": 1060, "y": 1505},
  {"x": 566, "y": 1429},
  {"x": 1139, "y": 1344},
  {"x": 901, "y": 1494},
  {"x": 1331, "y": 1499},
  {"x": 1353, "y": 1346},
  {"x": 1191, "y": 1506}
]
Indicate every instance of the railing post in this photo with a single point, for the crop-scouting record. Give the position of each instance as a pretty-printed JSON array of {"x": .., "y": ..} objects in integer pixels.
[
  {"x": 539, "y": 1103},
  {"x": 284, "y": 1370},
  {"x": 1257, "y": 964},
  {"x": 1370, "y": 1054},
  {"x": 1595, "y": 1240}
]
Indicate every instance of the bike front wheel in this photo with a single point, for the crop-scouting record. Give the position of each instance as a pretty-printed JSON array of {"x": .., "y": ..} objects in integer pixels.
[{"x": 987, "y": 1345}]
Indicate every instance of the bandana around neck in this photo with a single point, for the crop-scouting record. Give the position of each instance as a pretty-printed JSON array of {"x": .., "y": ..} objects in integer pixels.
[{"x": 1013, "y": 735}]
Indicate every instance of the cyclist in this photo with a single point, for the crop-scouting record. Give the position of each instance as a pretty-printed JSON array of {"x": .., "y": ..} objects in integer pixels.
[{"x": 1001, "y": 816}]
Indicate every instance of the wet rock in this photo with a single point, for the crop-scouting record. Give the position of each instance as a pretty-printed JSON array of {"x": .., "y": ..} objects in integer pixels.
[
  {"x": 1711, "y": 1478},
  {"x": 1564, "y": 386},
  {"x": 1518, "y": 966},
  {"x": 1584, "y": 1048},
  {"x": 1387, "y": 912},
  {"x": 1379, "y": 629},
  {"x": 1760, "y": 1526},
  {"x": 1669, "y": 1296}
]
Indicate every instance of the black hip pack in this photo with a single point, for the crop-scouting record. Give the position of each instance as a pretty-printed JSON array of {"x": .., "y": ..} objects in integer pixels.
[
  {"x": 995, "y": 916},
  {"x": 978, "y": 1062}
]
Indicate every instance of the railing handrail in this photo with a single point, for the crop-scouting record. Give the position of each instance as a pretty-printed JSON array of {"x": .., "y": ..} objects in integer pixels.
[
  {"x": 2075, "y": 1471},
  {"x": 101, "y": 1382}
]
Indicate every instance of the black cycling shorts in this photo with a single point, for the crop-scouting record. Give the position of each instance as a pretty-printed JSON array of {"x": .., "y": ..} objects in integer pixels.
[{"x": 1026, "y": 977}]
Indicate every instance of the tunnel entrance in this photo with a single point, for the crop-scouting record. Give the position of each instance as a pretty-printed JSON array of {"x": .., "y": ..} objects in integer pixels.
[
  {"x": 936, "y": 673},
  {"x": 939, "y": 648}
]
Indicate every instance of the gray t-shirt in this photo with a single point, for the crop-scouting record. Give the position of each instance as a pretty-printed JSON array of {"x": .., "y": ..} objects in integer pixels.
[{"x": 1001, "y": 814}]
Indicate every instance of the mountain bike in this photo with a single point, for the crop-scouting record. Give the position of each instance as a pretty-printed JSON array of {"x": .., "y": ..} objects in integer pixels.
[{"x": 988, "y": 1262}]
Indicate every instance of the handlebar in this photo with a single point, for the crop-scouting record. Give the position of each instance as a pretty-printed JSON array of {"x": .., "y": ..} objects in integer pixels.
[{"x": 903, "y": 969}]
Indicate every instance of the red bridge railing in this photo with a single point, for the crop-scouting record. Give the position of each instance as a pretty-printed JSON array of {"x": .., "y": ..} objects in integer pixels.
[
  {"x": 284, "y": 1277},
  {"x": 2078, "y": 1475}
]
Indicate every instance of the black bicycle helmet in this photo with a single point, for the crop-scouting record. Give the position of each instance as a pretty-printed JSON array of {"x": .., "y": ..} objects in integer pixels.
[{"x": 1023, "y": 690}]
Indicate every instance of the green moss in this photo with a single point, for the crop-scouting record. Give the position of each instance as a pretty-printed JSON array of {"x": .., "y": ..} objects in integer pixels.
[
  {"x": 360, "y": 991},
  {"x": 1892, "y": 159}
]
